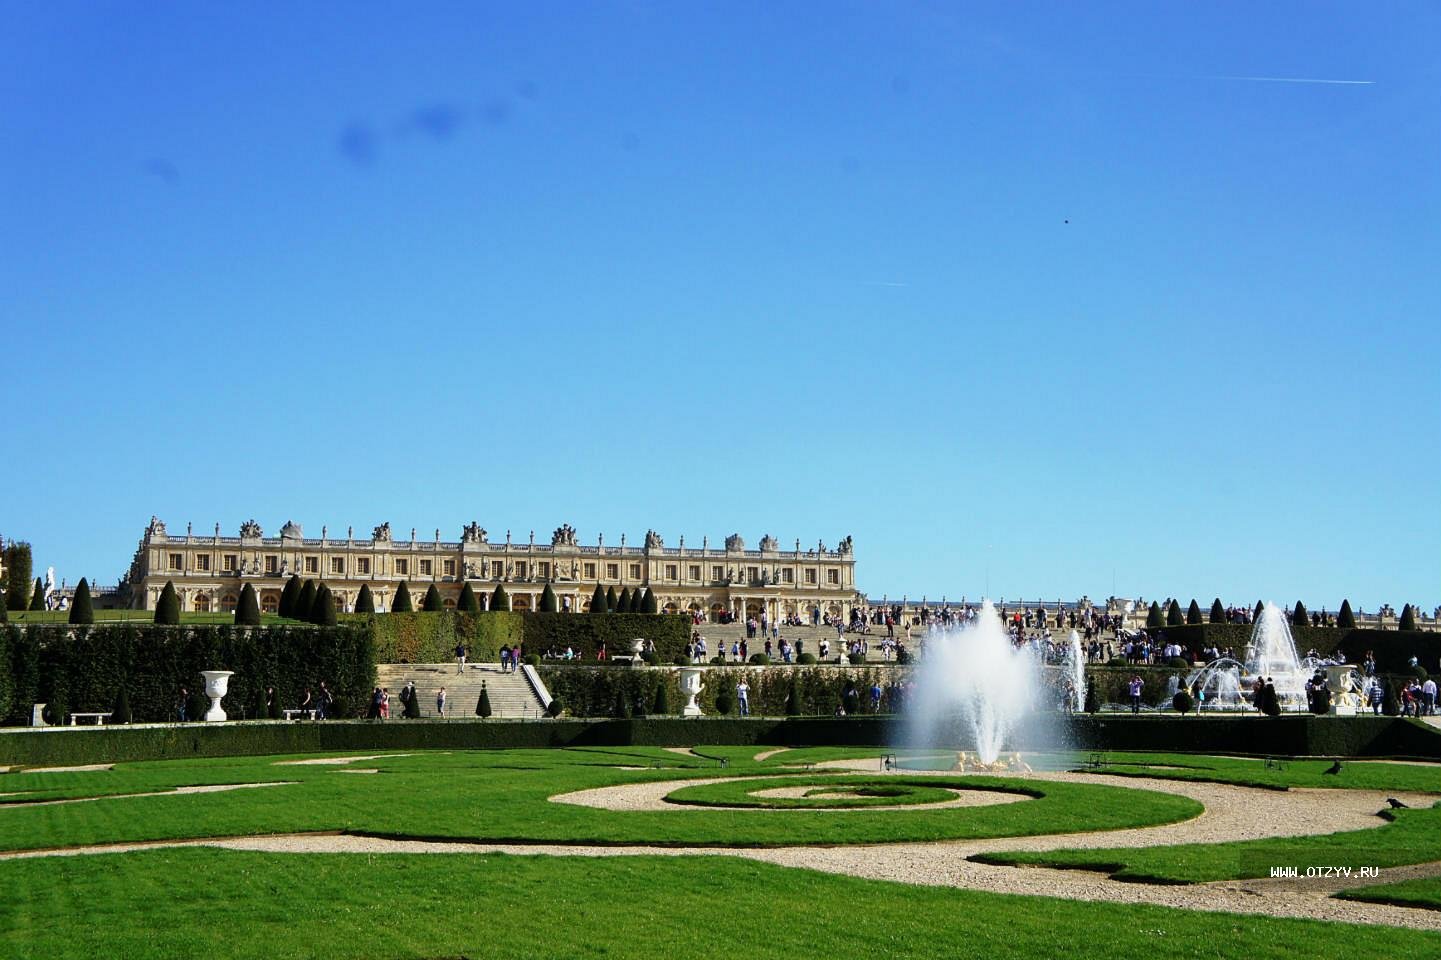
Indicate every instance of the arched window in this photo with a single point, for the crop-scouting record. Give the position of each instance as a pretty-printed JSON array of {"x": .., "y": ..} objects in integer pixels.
[
  {"x": 269, "y": 602},
  {"x": 202, "y": 603},
  {"x": 228, "y": 603}
]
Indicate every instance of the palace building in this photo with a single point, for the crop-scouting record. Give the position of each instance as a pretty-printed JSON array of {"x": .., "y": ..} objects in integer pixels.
[{"x": 210, "y": 571}]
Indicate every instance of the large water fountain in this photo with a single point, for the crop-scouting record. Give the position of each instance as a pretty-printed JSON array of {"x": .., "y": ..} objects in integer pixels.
[
  {"x": 1271, "y": 653},
  {"x": 973, "y": 675}
]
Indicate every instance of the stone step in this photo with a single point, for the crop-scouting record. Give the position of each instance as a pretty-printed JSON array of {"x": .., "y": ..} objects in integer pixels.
[{"x": 510, "y": 694}]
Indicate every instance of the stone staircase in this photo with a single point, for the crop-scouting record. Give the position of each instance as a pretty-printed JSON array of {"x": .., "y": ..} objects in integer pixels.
[{"x": 510, "y": 694}]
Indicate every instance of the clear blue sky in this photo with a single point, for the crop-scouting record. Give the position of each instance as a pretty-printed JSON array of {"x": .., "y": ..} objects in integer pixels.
[{"x": 794, "y": 268}]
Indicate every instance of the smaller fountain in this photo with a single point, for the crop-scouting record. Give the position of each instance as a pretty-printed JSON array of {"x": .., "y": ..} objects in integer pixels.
[
  {"x": 1074, "y": 670},
  {"x": 1004, "y": 763}
]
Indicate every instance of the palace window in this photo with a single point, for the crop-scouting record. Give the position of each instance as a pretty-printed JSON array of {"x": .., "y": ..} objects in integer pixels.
[
  {"x": 833, "y": 576},
  {"x": 448, "y": 567},
  {"x": 612, "y": 571},
  {"x": 755, "y": 574},
  {"x": 402, "y": 567},
  {"x": 717, "y": 573},
  {"x": 497, "y": 569},
  {"x": 425, "y": 568},
  {"x": 788, "y": 575},
  {"x": 695, "y": 571},
  {"x": 177, "y": 561},
  {"x": 362, "y": 565},
  {"x": 202, "y": 563},
  {"x": 590, "y": 571},
  {"x": 670, "y": 572},
  {"x": 269, "y": 603},
  {"x": 635, "y": 571},
  {"x": 337, "y": 564},
  {"x": 542, "y": 570},
  {"x": 810, "y": 575},
  {"x": 312, "y": 564},
  {"x": 227, "y": 562},
  {"x": 272, "y": 563},
  {"x": 520, "y": 568}
]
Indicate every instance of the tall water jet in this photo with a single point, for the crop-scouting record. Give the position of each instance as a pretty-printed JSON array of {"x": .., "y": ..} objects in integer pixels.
[
  {"x": 973, "y": 674},
  {"x": 1076, "y": 672},
  {"x": 1272, "y": 653}
]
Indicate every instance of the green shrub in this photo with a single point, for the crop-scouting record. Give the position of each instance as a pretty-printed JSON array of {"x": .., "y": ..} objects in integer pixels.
[
  {"x": 555, "y": 707},
  {"x": 305, "y": 602},
  {"x": 18, "y": 567},
  {"x": 621, "y": 711},
  {"x": 37, "y": 599},
  {"x": 1408, "y": 617},
  {"x": 431, "y": 602},
  {"x": 468, "y": 602},
  {"x": 1092, "y": 704},
  {"x": 1178, "y": 663},
  {"x": 725, "y": 700},
  {"x": 482, "y": 704},
  {"x": 1218, "y": 612},
  {"x": 247, "y": 609},
  {"x": 597, "y": 600},
  {"x": 856, "y": 659},
  {"x": 82, "y": 611},
  {"x": 532, "y": 660},
  {"x": 500, "y": 600},
  {"x": 717, "y": 661},
  {"x": 1256, "y": 613},
  {"x": 167, "y": 607},
  {"x": 4, "y": 611},
  {"x": 1155, "y": 619},
  {"x": 1174, "y": 616},
  {"x": 431, "y": 637},
  {"x": 651, "y": 658},
  {"x": 806, "y": 659},
  {"x": 668, "y": 632},
  {"x": 1182, "y": 702},
  {"x": 259, "y": 708},
  {"x": 760, "y": 660},
  {"x": 1390, "y": 703},
  {"x": 1299, "y": 616},
  {"x": 622, "y": 603},
  {"x": 365, "y": 600},
  {"x": 548, "y": 601},
  {"x": 120, "y": 711},
  {"x": 650, "y": 604},
  {"x": 681, "y": 660},
  {"x": 661, "y": 706},
  {"x": 402, "y": 602},
  {"x": 1193, "y": 612},
  {"x": 322, "y": 610},
  {"x": 1346, "y": 620},
  {"x": 793, "y": 701},
  {"x": 611, "y": 600},
  {"x": 288, "y": 596}
]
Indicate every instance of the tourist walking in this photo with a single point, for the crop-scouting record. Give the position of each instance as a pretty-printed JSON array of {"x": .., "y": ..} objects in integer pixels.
[
  {"x": 182, "y": 704},
  {"x": 460, "y": 658},
  {"x": 323, "y": 702},
  {"x": 440, "y": 703}
]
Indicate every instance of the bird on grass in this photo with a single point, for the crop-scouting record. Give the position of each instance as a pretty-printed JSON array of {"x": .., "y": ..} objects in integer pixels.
[
  {"x": 1333, "y": 769},
  {"x": 1396, "y": 804}
]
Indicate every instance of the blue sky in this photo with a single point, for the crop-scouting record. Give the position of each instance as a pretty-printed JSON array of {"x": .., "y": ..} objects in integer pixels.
[{"x": 792, "y": 268}]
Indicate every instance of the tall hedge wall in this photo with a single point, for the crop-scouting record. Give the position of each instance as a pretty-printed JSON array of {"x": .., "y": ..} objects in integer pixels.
[
  {"x": 592, "y": 691},
  {"x": 83, "y": 667},
  {"x": 431, "y": 637}
]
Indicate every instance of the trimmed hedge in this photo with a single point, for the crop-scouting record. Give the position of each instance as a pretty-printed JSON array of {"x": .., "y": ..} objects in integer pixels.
[
  {"x": 1288, "y": 736},
  {"x": 584, "y": 634},
  {"x": 431, "y": 637},
  {"x": 84, "y": 667}
]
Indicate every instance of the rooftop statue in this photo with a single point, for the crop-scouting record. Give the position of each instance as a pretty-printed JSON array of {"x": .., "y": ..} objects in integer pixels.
[
  {"x": 381, "y": 534},
  {"x": 250, "y": 530}
]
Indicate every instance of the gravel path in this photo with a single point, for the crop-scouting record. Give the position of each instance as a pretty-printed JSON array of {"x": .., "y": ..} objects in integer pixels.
[{"x": 651, "y": 797}]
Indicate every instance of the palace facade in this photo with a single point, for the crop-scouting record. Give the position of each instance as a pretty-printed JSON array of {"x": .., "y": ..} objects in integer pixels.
[{"x": 209, "y": 571}]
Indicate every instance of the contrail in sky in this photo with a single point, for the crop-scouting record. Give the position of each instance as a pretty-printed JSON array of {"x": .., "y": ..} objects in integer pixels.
[{"x": 1349, "y": 83}]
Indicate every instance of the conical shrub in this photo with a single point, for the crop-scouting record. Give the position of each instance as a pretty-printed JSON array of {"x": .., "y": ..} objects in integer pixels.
[
  {"x": 650, "y": 604},
  {"x": 167, "y": 608},
  {"x": 499, "y": 600},
  {"x": 305, "y": 602},
  {"x": 365, "y": 600},
  {"x": 37, "y": 599},
  {"x": 1408, "y": 617},
  {"x": 247, "y": 608},
  {"x": 622, "y": 603},
  {"x": 482, "y": 704},
  {"x": 1193, "y": 613},
  {"x": 1218, "y": 612},
  {"x": 120, "y": 712},
  {"x": 81, "y": 610},
  {"x": 403, "y": 603},
  {"x": 548, "y": 601},
  {"x": 432, "y": 602},
  {"x": 661, "y": 706},
  {"x": 1174, "y": 616},
  {"x": 322, "y": 610},
  {"x": 467, "y": 602},
  {"x": 288, "y": 596},
  {"x": 597, "y": 600},
  {"x": 1346, "y": 620},
  {"x": 610, "y": 600},
  {"x": 1155, "y": 619},
  {"x": 1299, "y": 616}
]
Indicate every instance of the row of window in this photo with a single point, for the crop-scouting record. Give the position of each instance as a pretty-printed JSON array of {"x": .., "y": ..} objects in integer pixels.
[{"x": 230, "y": 562}]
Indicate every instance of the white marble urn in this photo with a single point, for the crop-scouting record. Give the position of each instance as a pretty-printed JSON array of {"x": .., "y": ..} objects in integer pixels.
[
  {"x": 690, "y": 687},
  {"x": 217, "y": 684}
]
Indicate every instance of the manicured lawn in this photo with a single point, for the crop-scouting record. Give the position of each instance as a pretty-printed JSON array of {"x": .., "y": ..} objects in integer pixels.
[
  {"x": 1407, "y": 893},
  {"x": 248, "y": 906},
  {"x": 504, "y": 795},
  {"x": 1410, "y": 836},
  {"x": 1283, "y": 774}
]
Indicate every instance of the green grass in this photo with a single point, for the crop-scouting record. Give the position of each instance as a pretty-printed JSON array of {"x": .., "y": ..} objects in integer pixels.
[
  {"x": 1424, "y": 893},
  {"x": 1409, "y": 836},
  {"x": 248, "y": 906},
  {"x": 1287, "y": 773},
  {"x": 870, "y": 792},
  {"x": 136, "y": 616},
  {"x": 504, "y": 795}
]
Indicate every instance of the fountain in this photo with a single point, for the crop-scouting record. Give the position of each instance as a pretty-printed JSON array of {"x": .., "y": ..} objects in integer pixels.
[
  {"x": 1225, "y": 682},
  {"x": 1074, "y": 670},
  {"x": 975, "y": 674}
]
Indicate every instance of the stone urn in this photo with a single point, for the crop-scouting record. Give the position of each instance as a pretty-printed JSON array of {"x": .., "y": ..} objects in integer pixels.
[
  {"x": 217, "y": 684},
  {"x": 690, "y": 688}
]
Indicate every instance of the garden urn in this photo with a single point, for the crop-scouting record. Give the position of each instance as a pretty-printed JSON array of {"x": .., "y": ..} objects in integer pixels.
[{"x": 217, "y": 682}]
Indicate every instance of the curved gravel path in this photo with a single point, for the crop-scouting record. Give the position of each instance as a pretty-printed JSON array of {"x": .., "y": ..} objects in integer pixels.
[{"x": 651, "y": 796}]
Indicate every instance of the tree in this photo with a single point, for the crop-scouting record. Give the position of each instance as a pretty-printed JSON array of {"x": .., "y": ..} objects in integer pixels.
[
  {"x": 1218, "y": 612},
  {"x": 467, "y": 602},
  {"x": 621, "y": 710},
  {"x": 610, "y": 600},
  {"x": 402, "y": 602},
  {"x": 597, "y": 600},
  {"x": 548, "y": 601},
  {"x": 322, "y": 610},
  {"x": 288, "y": 596},
  {"x": 1182, "y": 702},
  {"x": 1155, "y": 619},
  {"x": 649, "y": 604},
  {"x": 482, "y": 705},
  {"x": 305, "y": 602},
  {"x": 37, "y": 599},
  {"x": 432, "y": 602},
  {"x": 247, "y": 610},
  {"x": 18, "y": 566},
  {"x": 120, "y": 712},
  {"x": 365, "y": 600},
  {"x": 793, "y": 699},
  {"x": 1174, "y": 616},
  {"x": 167, "y": 608},
  {"x": 499, "y": 600},
  {"x": 1092, "y": 705},
  {"x": 1299, "y": 617},
  {"x": 1193, "y": 613},
  {"x": 1260, "y": 608},
  {"x": 1408, "y": 617},
  {"x": 661, "y": 706},
  {"x": 725, "y": 701},
  {"x": 81, "y": 610},
  {"x": 1390, "y": 705},
  {"x": 1346, "y": 620},
  {"x": 622, "y": 605}
]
